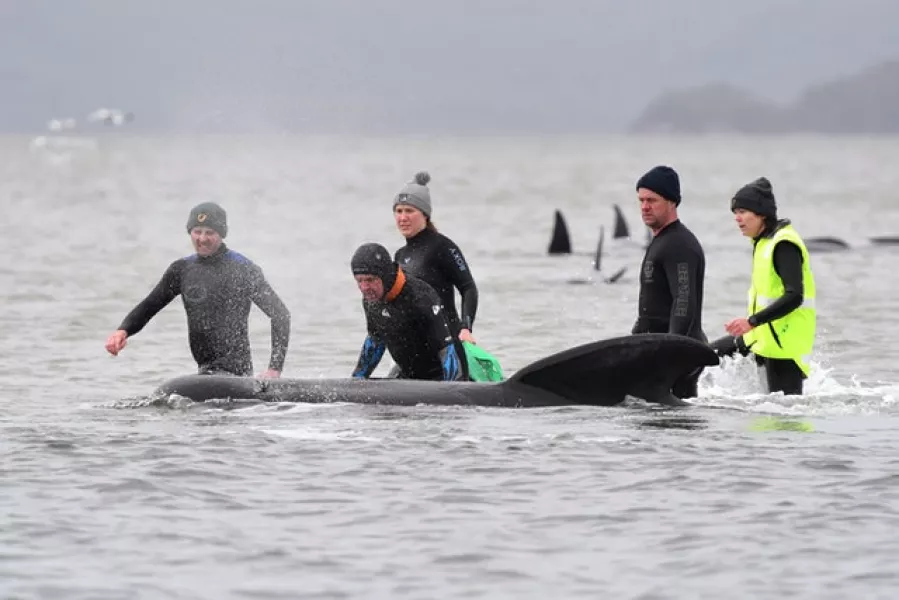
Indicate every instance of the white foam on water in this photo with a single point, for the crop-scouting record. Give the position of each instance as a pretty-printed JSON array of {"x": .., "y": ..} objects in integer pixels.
[
  {"x": 308, "y": 433},
  {"x": 739, "y": 383}
]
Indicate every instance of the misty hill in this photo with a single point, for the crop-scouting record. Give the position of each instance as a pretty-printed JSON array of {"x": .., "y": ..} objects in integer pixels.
[
  {"x": 476, "y": 66},
  {"x": 865, "y": 102}
]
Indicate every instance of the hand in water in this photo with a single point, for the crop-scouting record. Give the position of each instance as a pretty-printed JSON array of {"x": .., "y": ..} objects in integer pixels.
[
  {"x": 116, "y": 341},
  {"x": 270, "y": 374},
  {"x": 465, "y": 336}
]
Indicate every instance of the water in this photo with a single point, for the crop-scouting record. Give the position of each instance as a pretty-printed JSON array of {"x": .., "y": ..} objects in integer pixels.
[{"x": 105, "y": 496}]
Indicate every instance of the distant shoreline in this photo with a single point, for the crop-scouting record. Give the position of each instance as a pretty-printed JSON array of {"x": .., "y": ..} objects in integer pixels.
[{"x": 865, "y": 103}]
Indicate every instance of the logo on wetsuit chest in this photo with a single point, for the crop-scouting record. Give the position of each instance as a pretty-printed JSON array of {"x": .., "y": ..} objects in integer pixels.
[
  {"x": 436, "y": 308},
  {"x": 385, "y": 313},
  {"x": 647, "y": 270},
  {"x": 195, "y": 293}
]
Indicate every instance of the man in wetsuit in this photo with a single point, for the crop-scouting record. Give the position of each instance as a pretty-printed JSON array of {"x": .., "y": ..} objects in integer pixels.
[
  {"x": 673, "y": 271},
  {"x": 404, "y": 315},
  {"x": 780, "y": 329},
  {"x": 433, "y": 257},
  {"x": 217, "y": 286}
]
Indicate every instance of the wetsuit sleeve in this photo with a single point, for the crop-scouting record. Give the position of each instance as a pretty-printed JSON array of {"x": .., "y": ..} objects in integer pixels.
[
  {"x": 274, "y": 308},
  {"x": 369, "y": 357},
  {"x": 442, "y": 337},
  {"x": 451, "y": 363},
  {"x": 788, "y": 265},
  {"x": 166, "y": 290},
  {"x": 372, "y": 351},
  {"x": 458, "y": 273},
  {"x": 682, "y": 272}
]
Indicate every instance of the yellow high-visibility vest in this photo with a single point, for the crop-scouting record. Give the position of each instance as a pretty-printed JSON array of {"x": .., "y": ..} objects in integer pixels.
[{"x": 792, "y": 336}]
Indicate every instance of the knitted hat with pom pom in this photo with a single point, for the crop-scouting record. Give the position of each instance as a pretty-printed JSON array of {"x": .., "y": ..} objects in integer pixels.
[{"x": 416, "y": 193}]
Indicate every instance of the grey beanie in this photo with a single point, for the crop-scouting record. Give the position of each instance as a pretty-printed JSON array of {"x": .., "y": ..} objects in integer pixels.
[
  {"x": 416, "y": 193},
  {"x": 208, "y": 214}
]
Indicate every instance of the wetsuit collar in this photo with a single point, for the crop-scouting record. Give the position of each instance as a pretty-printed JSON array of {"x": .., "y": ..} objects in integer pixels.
[
  {"x": 397, "y": 286},
  {"x": 419, "y": 237},
  {"x": 217, "y": 254},
  {"x": 666, "y": 227},
  {"x": 770, "y": 231}
]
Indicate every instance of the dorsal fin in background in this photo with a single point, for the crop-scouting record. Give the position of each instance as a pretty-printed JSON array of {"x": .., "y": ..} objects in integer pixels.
[
  {"x": 885, "y": 240},
  {"x": 560, "y": 243},
  {"x": 621, "y": 230},
  {"x": 825, "y": 244},
  {"x": 597, "y": 259},
  {"x": 616, "y": 276}
]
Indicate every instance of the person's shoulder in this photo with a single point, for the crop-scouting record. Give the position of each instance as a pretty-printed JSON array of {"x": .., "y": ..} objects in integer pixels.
[
  {"x": 685, "y": 235},
  {"x": 788, "y": 246},
  {"x": 419, "y": 287},
  {"x": 173, "y": 272},
  {"x": 243, "y": 263},
  {"x": 236, "y": 257},
  {"x": 415, "y": 283},
  {"x": 678, "y": 245},
  {"x": 179, "y": 263},
  {"x": 446, "y": 240},
  {"x": 423, "y": 296}
]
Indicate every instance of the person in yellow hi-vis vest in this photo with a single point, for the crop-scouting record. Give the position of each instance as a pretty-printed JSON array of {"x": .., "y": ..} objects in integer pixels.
[{"x": 780, "y": 328}]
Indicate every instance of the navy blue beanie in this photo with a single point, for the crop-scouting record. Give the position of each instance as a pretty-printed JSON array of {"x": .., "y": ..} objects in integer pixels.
[{"x": 662, "y": 180}]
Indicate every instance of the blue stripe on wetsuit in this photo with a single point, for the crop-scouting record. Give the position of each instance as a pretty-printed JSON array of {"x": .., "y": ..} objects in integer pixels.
[
  {"x": 451, "y": 366},
  {"x": 371, "y": 355}
]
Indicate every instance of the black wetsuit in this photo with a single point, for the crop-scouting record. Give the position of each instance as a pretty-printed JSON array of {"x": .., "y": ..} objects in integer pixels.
[
  {"x": 437, "y": 260},
  {"x": 217, "y": 292},
  {"x": 671, "y": 285},
  {"x": 414, "y": 328},
  {"x": 783, "y": 375}
]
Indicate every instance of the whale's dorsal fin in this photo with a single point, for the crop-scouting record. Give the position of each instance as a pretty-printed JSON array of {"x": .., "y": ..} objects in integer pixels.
[{"x": 560, "y": 243}]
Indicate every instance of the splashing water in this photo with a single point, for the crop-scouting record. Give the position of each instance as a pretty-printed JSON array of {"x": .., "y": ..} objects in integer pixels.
[{"x": 739, "y": 382}]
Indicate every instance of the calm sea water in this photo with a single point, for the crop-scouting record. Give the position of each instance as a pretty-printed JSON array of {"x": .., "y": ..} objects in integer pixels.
[{"x": 104, "y": 495}]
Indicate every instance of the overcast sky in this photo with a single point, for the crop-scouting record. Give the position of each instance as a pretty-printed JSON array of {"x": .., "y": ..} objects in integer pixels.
[{"x": 427, "y": 66}]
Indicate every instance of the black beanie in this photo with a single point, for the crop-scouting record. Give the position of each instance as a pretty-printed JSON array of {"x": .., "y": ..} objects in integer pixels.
[
  {"x": 756, "y": 196},
  {"x": 374, "y": 259},
  {"x": 208, "y": 214},
  {"x": 662, "y": 180}
]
